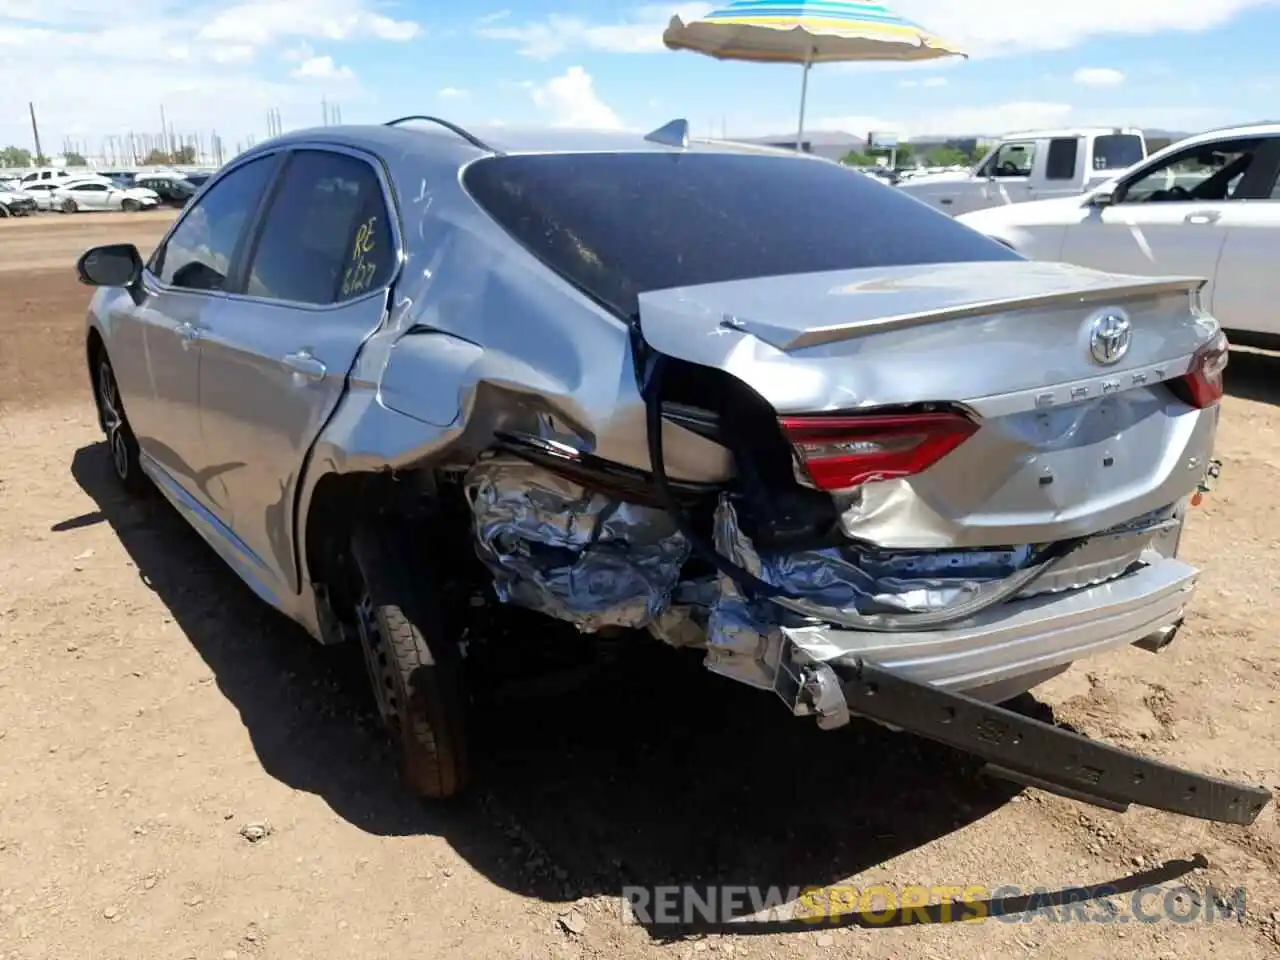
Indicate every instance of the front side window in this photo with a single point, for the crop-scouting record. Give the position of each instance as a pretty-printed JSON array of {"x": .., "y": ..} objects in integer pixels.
[
  {"x": 327, "y": 237},
  {"x": 1012, "y": 159},
  {"x": 1198, "y": 174},
  {"x": 90, "y": 187},
  {"x": 618, "y": 224},
  {"x": 199, "y": 252}
]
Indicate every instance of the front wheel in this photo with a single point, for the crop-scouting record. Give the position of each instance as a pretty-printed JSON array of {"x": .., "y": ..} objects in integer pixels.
[
  {"x": 130, "y": 206},
  {"x": 414, "y": 665},
  {"x": 122, "y": 445},
  {"x": 4, "y": 211},
  {"x": 69, "y": 206}
]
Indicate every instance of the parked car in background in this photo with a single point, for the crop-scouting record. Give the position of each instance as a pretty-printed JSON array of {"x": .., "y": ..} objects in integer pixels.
[
  {"x": 1207, "y": 206},
  {"x": 124, "y": 178},
  {"x": 171, "y": 191},
  {"x": 42, "y": 193},
  {"x": 98, "y": 193},
  {"x": 1030, "y": 166},
  {"x": 15, "y": 203},
  {"x": 742, "y": 401}
]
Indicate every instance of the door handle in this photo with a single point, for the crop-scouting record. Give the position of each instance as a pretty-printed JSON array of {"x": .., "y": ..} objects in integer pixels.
[
  {"x": 1203, "y": 217},
  {"x": 303, "y": 364}
]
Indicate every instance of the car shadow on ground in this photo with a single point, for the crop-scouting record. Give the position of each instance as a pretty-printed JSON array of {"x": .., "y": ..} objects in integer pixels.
[
  {"x": 655, "y": 772},
  {"x": 1253, "y": 375}
]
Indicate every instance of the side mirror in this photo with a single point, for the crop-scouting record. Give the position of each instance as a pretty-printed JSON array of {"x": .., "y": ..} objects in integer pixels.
[
  {"x": 1103, "y": 198},
  {"x": 113, "y": 265}
]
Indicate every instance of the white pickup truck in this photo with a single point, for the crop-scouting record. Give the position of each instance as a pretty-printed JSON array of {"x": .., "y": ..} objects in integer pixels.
[{"x": 1035, "y": 165}]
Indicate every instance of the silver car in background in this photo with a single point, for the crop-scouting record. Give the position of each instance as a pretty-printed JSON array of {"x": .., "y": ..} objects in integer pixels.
[{"x": 745, "y": 401}]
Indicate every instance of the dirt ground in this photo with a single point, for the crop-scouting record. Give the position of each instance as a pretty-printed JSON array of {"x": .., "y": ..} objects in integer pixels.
[{"x": 154, "y": 717}]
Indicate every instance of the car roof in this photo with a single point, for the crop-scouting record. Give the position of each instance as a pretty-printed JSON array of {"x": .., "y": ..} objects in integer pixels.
[
  {"x": 431, "y": 140},
  {"x": 1049, "y": 134}
]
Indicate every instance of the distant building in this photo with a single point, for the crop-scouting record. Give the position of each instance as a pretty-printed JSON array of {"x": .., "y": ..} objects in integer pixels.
[{"x": 831, "y": 144}]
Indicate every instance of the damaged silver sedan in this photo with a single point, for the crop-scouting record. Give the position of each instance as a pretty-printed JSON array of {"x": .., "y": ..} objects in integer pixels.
[{"x": 743, "y": 401}]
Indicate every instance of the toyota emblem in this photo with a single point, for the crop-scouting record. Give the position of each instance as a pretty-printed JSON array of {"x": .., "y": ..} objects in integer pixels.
[{"x": 1109, "y": 337}]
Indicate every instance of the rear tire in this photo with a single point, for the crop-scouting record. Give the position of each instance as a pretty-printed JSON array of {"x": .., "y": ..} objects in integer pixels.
[
  {"x": 122, "y": 446},
  {"x": 414, "y": 665},
  {"x": 4, "y": 211},
  {"x": 130, "y": 206},
  {"x": 69, "y": 206}
]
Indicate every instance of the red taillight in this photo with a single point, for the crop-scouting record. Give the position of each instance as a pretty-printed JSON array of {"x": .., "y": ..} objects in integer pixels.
[
  {"x": 1203, "y": 379},
  {"x": 840, "y": 452}
]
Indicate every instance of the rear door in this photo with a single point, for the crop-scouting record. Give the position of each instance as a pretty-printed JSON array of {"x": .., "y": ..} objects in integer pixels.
[
  {"x": 276, "y": 355},
  {"x": 1061, "y": 171},
  {"x": 1172, "y": 217}
]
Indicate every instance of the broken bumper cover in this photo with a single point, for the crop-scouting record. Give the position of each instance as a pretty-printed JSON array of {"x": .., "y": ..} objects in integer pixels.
[{"x": 1027, "y": 751}]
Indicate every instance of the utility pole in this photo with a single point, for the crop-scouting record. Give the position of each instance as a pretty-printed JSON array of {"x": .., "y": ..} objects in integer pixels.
[
  {"x": 164, "y": 126},
  {"x": 324, "y": 111},
  {"x": 35, "y": 131}
]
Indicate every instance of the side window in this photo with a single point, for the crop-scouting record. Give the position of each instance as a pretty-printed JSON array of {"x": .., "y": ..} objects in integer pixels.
[
  {"x": 1061, "y": 161},
  {"x": 90, "y": 187},
  {"x": 1013, "y": 159},
  {"x": 199, "y": 252},
  {"x": 327, "y": 237},
  {"x": 1210, "y": 171}
]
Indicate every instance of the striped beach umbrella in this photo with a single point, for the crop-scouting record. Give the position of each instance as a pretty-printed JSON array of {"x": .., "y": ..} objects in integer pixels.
[{"x": 805, "y": 32}]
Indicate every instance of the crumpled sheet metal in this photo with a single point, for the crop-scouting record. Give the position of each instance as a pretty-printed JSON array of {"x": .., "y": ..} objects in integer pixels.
[
  {"x": 578, "y": 556},
  {"x": 745, "y": 637}
]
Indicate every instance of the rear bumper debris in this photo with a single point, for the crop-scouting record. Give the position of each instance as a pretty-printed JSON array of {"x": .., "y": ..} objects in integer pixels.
[{"x": 1031, "y": 752}]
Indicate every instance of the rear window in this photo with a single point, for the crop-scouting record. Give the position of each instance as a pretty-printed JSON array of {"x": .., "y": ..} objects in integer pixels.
[
  {"x": 619, "y": 224},
  {"x": 1117, "y": 150}
]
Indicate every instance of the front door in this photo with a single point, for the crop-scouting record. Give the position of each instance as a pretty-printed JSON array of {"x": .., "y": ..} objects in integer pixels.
[
  {"x": 1168, "y": 219},
  {"x": 160, "y": 338},
  {"x": 1246, "y": 293},
  {"x": 275, "y": 357},
  {"x": 1007, "y": 176}
]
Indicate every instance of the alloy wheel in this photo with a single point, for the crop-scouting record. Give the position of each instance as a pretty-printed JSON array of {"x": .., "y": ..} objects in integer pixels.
[{"x": 113, "y": 419}]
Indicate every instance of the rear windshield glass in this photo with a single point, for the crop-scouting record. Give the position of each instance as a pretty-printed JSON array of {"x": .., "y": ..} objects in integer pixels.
[
  {"x": 1117, "y": 150},
  {"x": 619, "y": 224}
]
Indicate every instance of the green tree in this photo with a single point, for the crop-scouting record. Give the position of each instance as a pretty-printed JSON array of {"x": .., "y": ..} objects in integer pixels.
[
  {"x": 184, "y": 155},
  {"x": 75, "y": 159},
  {"x": 855, "y": 158},
  {"x": 947, "y": 157},
  {"x": 15, "y": 157},
  {"x": 155, "y": 158}
]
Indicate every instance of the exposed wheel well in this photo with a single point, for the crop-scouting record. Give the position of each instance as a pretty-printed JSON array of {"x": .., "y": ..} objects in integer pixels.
[{"x": 340, "y": 501}]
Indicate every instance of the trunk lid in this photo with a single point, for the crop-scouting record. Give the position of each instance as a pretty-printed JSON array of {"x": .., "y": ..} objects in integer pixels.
[{"x": 1074, "y": 437}]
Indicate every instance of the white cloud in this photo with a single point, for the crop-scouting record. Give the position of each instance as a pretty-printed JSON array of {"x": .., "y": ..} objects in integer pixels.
[
  {"x": 926, "y": 82},
  {"x": 983, "y": 28},
  {"x": 1098, "y": 76},
  {"x": 96, "y": 71},
  {"x": 987, "y": 28},
  {"x": 570, "y": 100},
  {"x": 258, "y": 24},
  {"x": 641, "y": 33},
  {"x": 452, "y": 93},
  {"x": 322, "y": 68}
]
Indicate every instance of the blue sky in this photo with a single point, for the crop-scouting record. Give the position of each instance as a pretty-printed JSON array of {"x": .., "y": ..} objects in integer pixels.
[{"x": 95, "y": 69}]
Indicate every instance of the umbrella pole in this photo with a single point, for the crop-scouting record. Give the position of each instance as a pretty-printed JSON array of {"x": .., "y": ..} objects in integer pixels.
[{"x": 804, "y": 95}]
